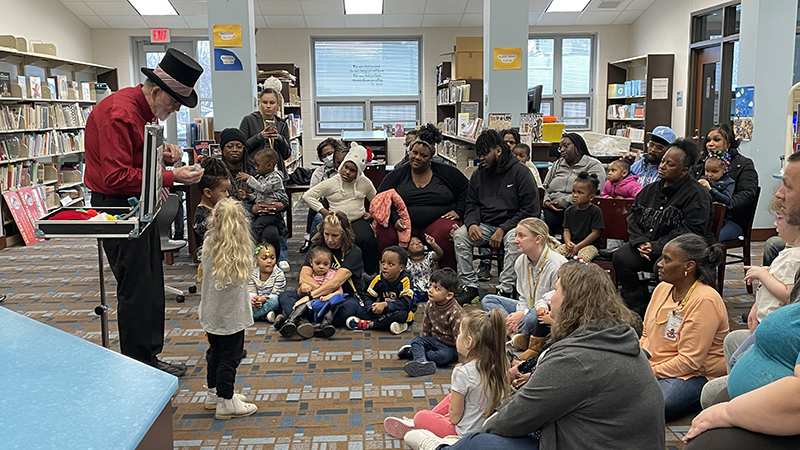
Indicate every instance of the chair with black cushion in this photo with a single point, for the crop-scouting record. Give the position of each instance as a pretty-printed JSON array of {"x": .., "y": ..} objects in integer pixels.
[
  {"x": 743, "y": 242},
  {"x": 165, "y": 217}
]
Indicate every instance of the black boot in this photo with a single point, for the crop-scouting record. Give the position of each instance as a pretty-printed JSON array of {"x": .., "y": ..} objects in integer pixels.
[
  {"x": 289, "y": 328},
  {"x": 326, "y": 328}
]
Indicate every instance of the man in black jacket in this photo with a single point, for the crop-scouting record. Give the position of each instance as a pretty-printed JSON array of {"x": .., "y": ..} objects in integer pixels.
[{"x": 500, "y": 194}]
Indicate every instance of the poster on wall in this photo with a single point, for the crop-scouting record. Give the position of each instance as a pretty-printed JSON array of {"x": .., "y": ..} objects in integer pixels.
[
  {"x": 743, "y": 112},
  {"x": 226, "y": 60},
  {"x": 227, "y": 35},
  {"x": 508, "y": 58}
]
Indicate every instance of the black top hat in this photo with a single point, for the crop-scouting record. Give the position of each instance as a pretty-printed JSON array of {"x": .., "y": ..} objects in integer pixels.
[{"x": 176, "y": 74}]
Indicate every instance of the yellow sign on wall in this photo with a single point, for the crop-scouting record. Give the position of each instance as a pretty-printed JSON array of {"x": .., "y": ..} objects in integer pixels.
[
  {"x": 227, "y": 35},
  {"x": 508, "y": 58}
]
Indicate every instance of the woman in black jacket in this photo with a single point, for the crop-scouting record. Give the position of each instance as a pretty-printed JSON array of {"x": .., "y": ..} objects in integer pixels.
[
  {"x": 264, "y": 129},
  {"x": 676, "y": 204},
  {"x": 744, "y": 174},
  {"x": 434, "y": 193}
]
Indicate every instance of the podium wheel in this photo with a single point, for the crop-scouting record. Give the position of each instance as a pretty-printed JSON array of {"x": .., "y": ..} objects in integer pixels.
[
  {"x": 180, "y": 299},
  {"x": 192, "y": 289}
]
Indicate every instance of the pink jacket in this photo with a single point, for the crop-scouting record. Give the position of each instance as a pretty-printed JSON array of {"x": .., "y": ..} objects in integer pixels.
[
  {"x": 628, "y": 187},
  {"x": 381, "y": 209}
]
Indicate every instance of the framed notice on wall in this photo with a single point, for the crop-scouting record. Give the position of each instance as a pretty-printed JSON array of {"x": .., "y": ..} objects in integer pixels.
[{"x": 508, "y": 58}]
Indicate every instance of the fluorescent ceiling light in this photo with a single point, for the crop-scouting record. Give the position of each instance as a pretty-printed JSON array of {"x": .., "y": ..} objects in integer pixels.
[
  {"x": 567, "y": 6},
  {"x": 363, "y": 7},
  {"x": 153, "y": 7}
]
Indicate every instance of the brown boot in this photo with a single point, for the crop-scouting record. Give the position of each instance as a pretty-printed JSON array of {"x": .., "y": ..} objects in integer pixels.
[
  {"x": 520, "y": 341},
  {"x": 534, "y": 347}
]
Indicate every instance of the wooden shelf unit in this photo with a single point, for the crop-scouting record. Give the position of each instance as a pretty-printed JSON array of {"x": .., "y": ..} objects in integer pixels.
[
  {"x": 289, "y": 74},
  {"x": 460, "y": 151}
]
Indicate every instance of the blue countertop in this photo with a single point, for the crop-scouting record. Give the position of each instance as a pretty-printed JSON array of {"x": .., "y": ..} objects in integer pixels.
[{"x": 63, "y": 392}]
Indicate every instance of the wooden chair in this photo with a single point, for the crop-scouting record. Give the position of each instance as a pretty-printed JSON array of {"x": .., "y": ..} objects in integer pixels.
[
  {"x": 744, "y": 244},
  {"x": 615, "y": 218},
  {"x": 719, "y": 219}
]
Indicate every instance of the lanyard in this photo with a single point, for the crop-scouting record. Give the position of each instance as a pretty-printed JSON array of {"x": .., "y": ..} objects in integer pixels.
[
  {"x": 349, "y": 280},
  {"x": 539, "y": 275},
  {"x": 680, "y": 306}
]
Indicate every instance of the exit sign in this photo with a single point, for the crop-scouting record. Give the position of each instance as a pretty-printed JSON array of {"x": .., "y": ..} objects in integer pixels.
[{"x": 159, "y": 36}]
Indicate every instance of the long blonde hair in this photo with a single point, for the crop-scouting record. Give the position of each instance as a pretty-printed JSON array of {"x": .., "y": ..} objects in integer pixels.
[
  {"x": 230, "y": 244},
  {"x": 488, "y": 333},
  {"x": 589, "y": 297},
  {"x": 539, "y": 228}
]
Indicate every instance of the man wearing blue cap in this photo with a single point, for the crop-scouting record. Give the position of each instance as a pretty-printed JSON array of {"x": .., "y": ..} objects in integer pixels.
[{"x": 647, "y": 166}]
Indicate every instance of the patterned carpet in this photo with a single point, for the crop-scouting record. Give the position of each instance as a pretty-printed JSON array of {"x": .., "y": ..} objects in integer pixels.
[{"x": 312, "y": 395}]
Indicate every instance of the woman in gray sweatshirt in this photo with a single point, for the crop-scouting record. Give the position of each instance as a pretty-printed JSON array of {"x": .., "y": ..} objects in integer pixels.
[{"x": 593, "y": 388}]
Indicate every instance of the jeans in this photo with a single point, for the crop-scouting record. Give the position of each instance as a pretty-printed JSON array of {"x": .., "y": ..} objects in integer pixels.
[
  {"x": 464, "y": 246},
  {"x": 729, "y": 231},
  {"x": 223, "y": 359},
  {"x": 427, "y": 348},
  {"x": 482, "y": 441},
  {"x": 743, "y": 348},
  {"x": 284, "y": 249},
  {"x": 732, "y": 343},
  {"x": 270, "y": 305},
  {"x": 314, "y": 224},
  {"x": 772, "y": 247},
  {"x": 681, "y": 397},
  {"x": 529, "y": 321}
]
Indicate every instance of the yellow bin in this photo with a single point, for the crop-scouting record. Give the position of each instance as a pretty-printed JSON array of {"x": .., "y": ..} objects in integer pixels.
[{"x": 551, "y": 132}]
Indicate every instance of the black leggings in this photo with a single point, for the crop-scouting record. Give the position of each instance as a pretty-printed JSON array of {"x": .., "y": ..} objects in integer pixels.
[
  {"x": 627, "y": 265},
  {"x": 267, "y": 228},
  {"x": 368, "y": 243},
  {"x": 223, "y": 359},
  {"x": 554, "y": 220},
  {"x": 741, "y": 439}
]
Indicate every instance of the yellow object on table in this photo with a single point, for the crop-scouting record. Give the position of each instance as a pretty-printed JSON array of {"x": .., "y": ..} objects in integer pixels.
[{"x": 551, "y": 132}]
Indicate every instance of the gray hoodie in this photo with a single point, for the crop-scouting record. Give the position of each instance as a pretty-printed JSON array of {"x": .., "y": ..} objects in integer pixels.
[{"x": 593, "y": 389}]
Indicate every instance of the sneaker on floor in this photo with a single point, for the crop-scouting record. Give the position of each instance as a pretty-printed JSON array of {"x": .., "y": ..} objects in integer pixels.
[
  {"x": 211, "y": 398},
  {"x": 507, "y": 293},
  {"x": 419, "y": 439},
  {"x": 177, "y": 369},
  {"x": 306, "y": 246},
  {"x": 419, "y": 368},
  {"x": 484, "y": 273},
  {"x": 284, "y": 265},
  {"x": 468, "y": 296},
  {"x": 397, "y": 427},
  {"x": 235, "y": 407},
  {"x": 271, "y": 316},
  {"x": 397, "y": 327},
  {"x": 404, "y": 352},
  {"x": 354, "y": 323}
]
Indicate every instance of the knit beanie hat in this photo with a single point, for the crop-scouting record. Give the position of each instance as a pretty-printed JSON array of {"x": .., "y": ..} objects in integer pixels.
[
  {"x": 231, "y": 134},
  {"x": 358, "y": 156}
]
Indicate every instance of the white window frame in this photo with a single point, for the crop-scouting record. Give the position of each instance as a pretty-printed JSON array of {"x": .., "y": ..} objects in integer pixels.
[
  {"x": 557, "y": 99},
  {"x": 368, "y": 123}
]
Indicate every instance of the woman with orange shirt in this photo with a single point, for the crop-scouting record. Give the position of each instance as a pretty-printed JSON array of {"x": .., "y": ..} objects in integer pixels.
[{"x": 685, "y": 323}]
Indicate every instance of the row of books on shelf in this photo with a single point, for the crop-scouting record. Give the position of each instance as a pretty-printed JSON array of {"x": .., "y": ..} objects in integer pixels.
[
  {"x": 32, "y": 173},
  {"x": 636, "y": 135},
  {"x": 458, "y": 153},
  {"x": 457, "y": 91},
  {"x": 631, "y": 88},
  {"x": 50, "y": 143},
  {"x": 53, "y": 88},
  {"x": 201, "y": 129},
  {"x": 440, "y": 76},
  {"x": 462, "y": 126},
  {"x": 632, "y": 111},
  {"x": 295, "y": 124},
  {"x": 36, "y": 117}
]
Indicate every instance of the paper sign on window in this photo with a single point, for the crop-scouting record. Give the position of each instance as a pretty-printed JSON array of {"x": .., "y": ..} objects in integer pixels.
[{"x": 508, "y": 58}]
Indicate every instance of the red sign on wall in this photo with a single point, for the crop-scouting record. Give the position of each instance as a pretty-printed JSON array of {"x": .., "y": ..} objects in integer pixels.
[{"x": 159, "y": 36}]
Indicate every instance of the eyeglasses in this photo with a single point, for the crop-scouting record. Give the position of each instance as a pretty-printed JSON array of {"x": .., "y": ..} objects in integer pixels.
[{"x": 656, "y": 145}]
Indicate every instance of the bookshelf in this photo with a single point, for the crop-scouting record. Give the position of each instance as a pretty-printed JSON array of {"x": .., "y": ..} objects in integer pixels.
[
  {"x": 632, "y": 102},
  {"x": 451, "y": 97},
  {"x": 289, "y": 74},
  {"x": 42, "y": 139}
]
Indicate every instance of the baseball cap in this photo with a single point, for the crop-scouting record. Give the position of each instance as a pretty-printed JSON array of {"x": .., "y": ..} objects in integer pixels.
[{"x": 664, "y": 134}]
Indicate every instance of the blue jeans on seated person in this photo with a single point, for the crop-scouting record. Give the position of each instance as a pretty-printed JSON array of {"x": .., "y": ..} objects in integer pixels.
[
  {"x": 270, "y": 305},
  {"x": 772, "y": 247},
  {"x": 729, "y": 231},
  {"x": 482, "y": 441},
  {"x": 420, "y": 297},
  {"x": 427, "y": 348},
  {"x": 529, "y": 321},
  {"x": 681, "y": 397}
]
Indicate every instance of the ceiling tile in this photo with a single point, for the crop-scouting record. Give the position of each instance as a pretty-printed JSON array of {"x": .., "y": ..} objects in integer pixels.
[
  {"x": 124, "y": 22},
  {"x": 441, "y": 20},
  {"x": 639, "y": 5},
  {"x": 165, "y": 21},
  {"x": 597, "y": 18},
  {"x": 559, "y": 18},
  {"x": 364, "y": 21},
  {"x": 403, "y": 21},
  {"x": 627, "y": 17},
  {"x": 196, "y": 22},
  {"x": 79, "y": 8},
  {"x": 285, "y": 21},
  {"x": 403, "y": 6},
  {"x": 446, "y": 7},
  {"x": 475, "y": 6},
  {"x": 324, "y": 7},
  {"x": 93, "y": 21},
  {"x": 538, "y": 5},
  {"x": 327, "y": 21},
  {"x": 472, "y": 20},
  {"x": 113, "y": 9},
  {"x": 281, "y": 8},
  {"x": 260, "y": 22},
  {"x": 533, "y": 17},
  {"x": 189, "y": 8}
]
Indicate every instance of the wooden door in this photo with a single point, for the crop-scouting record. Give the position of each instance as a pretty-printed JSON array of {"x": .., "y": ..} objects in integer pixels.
[{"x": 706, "y": 93}]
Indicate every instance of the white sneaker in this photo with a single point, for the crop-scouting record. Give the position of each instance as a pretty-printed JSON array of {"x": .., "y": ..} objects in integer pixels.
[
  {"x": 211, "y": 398},
  {"x": 271, "y": 317},
  {"x": 397, "y": 427},
  {"x": 397, "y": 327},
  {"x": 284, "y": 265},
  {"x": 235, "y": 407},
  {"x": 425, "y": 440}
]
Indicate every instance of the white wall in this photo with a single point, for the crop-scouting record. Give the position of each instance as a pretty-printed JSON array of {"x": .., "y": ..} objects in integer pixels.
[
  {"x": 48, "y": 21},
  {"x": 665, "y": 28}
]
